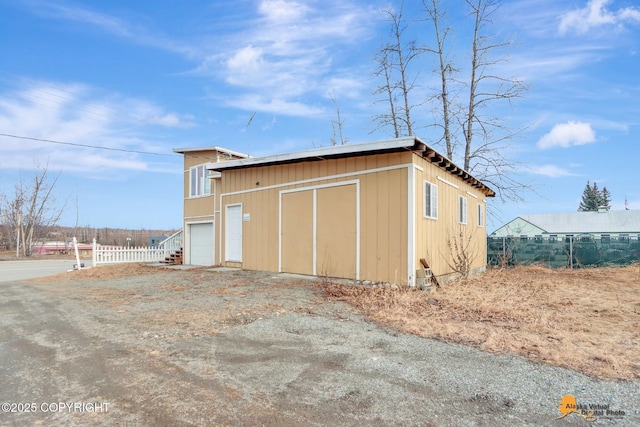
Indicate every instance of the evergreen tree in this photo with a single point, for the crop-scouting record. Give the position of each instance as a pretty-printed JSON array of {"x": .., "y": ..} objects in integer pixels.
[
  {"x": 597, "y": 197},
  {"x": 590, "y": 198},
  {"x": 594, "y": 199},
  {"x": 606, "y": 199}
]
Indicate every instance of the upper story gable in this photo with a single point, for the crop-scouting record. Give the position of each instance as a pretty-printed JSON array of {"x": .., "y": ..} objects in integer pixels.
[{"x": 198, "y": 179}]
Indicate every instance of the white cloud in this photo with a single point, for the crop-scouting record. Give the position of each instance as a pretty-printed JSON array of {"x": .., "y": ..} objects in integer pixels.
[
  {"x": 139, "y": 113},
  {"x": 552, "y": 171},
  {"x": 172, "y": 120},
  {"x": 246, "y": 58},
  {"x": 254, "y": 102},
  {"x": 282, "y": 10},
  {"x": 629, "y": 14},
  {"x": 596, "y": 14},
  {"x": 281, "y": 49},
  {"x": 287, "y": 53},
  {"x": 77, "y": 114},
  {"x": 567, "y": 135}
]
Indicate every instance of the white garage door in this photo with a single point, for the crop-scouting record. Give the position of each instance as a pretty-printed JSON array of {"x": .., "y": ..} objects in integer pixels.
[{"x": 201, "y": 243}]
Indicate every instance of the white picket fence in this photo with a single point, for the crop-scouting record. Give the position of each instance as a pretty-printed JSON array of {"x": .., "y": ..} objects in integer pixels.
[{"x": 102, "y": 254}]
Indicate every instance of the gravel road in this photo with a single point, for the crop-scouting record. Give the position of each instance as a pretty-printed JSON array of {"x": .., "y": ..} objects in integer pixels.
[{"x": 202, "y": 348}]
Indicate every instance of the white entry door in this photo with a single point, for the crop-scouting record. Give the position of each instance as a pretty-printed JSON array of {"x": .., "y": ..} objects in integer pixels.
[
  {"x": 233, "y": 233},
  {"x": 201, "y": 244}
]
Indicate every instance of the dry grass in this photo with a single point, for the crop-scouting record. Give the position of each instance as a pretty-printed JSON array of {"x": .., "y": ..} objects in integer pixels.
[
  {"x": 587, "y": 320},
  {"x": 101, "y": 272}
]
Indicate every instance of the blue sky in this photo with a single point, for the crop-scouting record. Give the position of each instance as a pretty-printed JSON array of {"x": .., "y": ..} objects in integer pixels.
[{"x": 153, "y": 76}]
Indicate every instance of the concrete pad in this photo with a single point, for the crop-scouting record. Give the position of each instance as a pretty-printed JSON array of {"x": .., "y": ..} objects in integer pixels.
[
  {"x": 222, "y": 269},
  {"x": 295, "y": 276}
]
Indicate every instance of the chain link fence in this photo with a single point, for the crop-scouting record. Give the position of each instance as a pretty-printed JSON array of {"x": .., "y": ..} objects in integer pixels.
[{"x": 570, "y": 251}]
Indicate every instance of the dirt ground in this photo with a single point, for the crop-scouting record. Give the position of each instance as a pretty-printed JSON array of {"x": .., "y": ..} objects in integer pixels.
[
  {"x": 139, "y": 345},
  {"x": 587, "y": 320}
]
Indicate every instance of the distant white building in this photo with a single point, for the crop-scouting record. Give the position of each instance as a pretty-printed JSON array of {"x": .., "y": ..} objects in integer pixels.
[{"x": 604, "y": 225}]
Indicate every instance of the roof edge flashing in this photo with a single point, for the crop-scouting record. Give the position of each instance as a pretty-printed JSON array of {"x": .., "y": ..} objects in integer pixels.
[{"x": 211, "y": 148}]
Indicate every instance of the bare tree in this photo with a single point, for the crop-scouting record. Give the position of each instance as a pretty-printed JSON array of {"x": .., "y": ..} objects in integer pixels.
[
  {"x": 445, "y": 69},
  {"x": 394, "y": 63},
  {"x": 337, "y": 126},
  {"x": 483, "y": 139},
  {"x": 484, "y": 86},
  {"x": 31, "y": 209},
  {"x": 462, "y": 252},
  {"x": 486, "y": 138},
  {"x": 11, "y": 217},
  {"x": 388, "y": 89}
]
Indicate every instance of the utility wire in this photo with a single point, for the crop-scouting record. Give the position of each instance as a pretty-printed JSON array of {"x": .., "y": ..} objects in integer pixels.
[
  {"x": 86, "y": 145},
  {"x": 98, "y": 147}
]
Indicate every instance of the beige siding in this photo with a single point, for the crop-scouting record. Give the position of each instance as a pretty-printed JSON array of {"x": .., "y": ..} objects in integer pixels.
[
  {"x": 198, "y": 207},
  {"x": 279, "y": 198},
  {"x": 383, "y": 213},
  {"x": 203, "y": 208},
  {"x": 434, "y": 235}
]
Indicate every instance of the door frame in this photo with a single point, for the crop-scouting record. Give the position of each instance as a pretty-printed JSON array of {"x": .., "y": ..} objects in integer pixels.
[
  {"x": 227, "y": 241},
  {"x": 314, "y": 188},
  {"x": 187, "y": 239}
]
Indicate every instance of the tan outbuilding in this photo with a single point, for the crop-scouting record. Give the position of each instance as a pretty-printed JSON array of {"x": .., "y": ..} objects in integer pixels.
[{"x": 359, "y": 211}]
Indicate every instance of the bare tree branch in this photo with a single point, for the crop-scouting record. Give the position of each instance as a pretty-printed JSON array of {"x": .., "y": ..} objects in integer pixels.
[
  {"x": 394, "y": 60},
  {"x": 337, "y": 126},
  {"x": 32, "y": 209},
  {"x": 461, "y": 101}
]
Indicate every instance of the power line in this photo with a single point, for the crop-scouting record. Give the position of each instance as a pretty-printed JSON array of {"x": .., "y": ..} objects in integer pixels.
[
  {"x": 75, "y": 144},
  {"x": 98, "y": 147}
]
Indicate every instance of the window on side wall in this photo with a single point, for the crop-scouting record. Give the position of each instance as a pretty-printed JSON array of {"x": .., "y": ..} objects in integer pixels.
[
  {"x": 200, "y": 184},
  {"x": 430, "y": 200},
  {"x": 480, "y": 215},
  {"x": 462, "y": 210}
]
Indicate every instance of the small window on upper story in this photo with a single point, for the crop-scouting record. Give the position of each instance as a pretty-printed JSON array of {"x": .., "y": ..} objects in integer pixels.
[
  {"x": 462, "y": 210},
  {"x": 200, "y": 183},
  {"x": 430, "y": 200},
  {"x": 480, "y": 215}
]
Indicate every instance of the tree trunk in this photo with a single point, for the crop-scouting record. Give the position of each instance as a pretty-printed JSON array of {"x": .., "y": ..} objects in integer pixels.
[{"x": 473, "y": 83}]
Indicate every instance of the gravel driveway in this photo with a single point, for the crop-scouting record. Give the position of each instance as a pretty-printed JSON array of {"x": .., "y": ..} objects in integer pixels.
[{"x": 202, "y": 348}]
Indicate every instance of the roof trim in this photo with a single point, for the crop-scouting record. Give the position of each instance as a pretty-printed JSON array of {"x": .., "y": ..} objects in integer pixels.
[
  {"x": 413, "y": 144},
  {"x": 211, "y": 148},
  {"x": 320, "y": 153}
]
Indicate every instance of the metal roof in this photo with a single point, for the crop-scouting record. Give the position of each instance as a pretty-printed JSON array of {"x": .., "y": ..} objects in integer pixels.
[
  {"x": 212, "y": 148},
  {"x": 587, "y": 222},
  {"x": 413, "y": 144}
]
